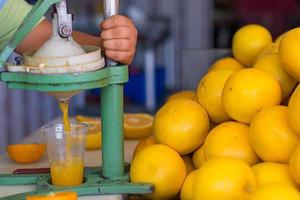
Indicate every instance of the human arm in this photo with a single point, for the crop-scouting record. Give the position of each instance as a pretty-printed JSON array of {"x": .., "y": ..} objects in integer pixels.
[{"x": 118, "y": 38}]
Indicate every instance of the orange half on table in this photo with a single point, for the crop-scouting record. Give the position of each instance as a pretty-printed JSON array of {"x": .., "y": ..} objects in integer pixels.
[
  {"x": 93, "y": 138},
  {"x": 137, "y": 125},
  {"x": 55, "y": 196},
  {"x": 26, "y": 153}
]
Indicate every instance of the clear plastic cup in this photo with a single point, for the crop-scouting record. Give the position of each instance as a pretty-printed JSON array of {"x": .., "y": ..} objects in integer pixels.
[{"x": 65, "y": 151}]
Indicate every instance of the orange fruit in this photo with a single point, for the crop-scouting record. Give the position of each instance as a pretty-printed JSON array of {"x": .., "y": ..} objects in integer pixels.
[
  {"x": 224, "y": 178},
  {"x": 93, "y": 123},
  {"x": 271, "y": 136},
  {"x": 163, "y": 167},
  {"x": 230, "y": 139},
  {"x": 199, "y": 157},
  {"x": 54, "y": 196},
  {"x": 186, "y": 94},
  {"x": 181, "y": 124},
  {"x": 293, "y": 108},
  {"x": 209, "y": 94},
  {"x": 226, "y": 63},
  {"x": 137, "y": 125},
  {"x": 26, "y": 153},
  {"x": 270, "y": 63},
  {"x": 187, "y": 190},
  {"x": 93, "y": 141},
  {"x": 248, "y": 42},
  {"x": 279, "y": 38},
  {"x": 270, "y": 49},
  {"x": 288, "y": 53},
  {"x": 271, "y": 172},
  {"x": 144, "y": 143},
  {"x": 275, "y": 191},
  {"x": 93, "y": 137},
  {"x": 247, "y": 91},
  {"x": 294, "y": 164}
]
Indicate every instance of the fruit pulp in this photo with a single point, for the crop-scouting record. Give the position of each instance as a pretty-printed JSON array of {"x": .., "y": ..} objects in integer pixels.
[{"x": 67, "y": 172}]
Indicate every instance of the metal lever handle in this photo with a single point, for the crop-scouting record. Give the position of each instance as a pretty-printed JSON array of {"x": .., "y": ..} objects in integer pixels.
[
  {"x": 64, "y": 20},
  {"x": 111, "y": 7}
]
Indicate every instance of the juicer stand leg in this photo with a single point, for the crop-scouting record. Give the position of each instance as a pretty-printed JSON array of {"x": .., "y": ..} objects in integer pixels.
[{"x": 112, "y": 131}]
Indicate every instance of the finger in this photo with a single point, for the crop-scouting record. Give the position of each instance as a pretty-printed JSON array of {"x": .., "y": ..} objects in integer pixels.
[
  {"x": 119, "y": 32},
  {"x": 115, "y": 21},
  {"x": 124, "y": 57},
  {"x": 119, "y": 45}
]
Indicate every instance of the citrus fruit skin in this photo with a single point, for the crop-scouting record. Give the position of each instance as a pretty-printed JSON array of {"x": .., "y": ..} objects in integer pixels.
[
  {"x": 144, "y": 143},
  {"x": 181, "y": 124},
  {"x": 288, "y": 53},
  {"x": 226, "y": 63},
  {"x": 230, "y": 139},
  {"x": 224, "y": 178},
  {"x": 293, "y": 110},
  {"x": 163, "y": 167},
  {"x": 270, "y": 63},
  {"x": 271, "y": 172},
  {"x": 247, "y": 91},
  {"x": 275, "y": 191},
  {"x": 294, "y": 165},
  {"x": 26, "y": 153},
  {"x": 137, "y": 125},
  {"x": 248, "y": 41},
  {"x": 271, "y": 136},
  {"x": 199, "y": 157},
  {"x": 55, "y": 196},
  {"x": 187, "y": 190},
  {"x": 270, "y": 49},
  {"x": 185, "y": 94},
  {"x": 93, "y": 141},
  {"x": 209, "y": 94}
]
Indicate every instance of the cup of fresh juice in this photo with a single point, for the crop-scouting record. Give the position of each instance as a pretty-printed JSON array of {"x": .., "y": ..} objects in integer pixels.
[{"x": 65, "y": 152}]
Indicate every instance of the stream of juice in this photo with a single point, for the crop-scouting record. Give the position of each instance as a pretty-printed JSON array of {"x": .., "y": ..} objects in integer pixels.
[{"x": 67, "y": 172}]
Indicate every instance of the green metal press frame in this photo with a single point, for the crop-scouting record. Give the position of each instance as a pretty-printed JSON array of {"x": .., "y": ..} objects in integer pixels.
[{"x": 111, "y": 178}]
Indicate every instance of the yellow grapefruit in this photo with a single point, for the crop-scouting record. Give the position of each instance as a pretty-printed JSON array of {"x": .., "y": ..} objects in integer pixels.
[
  {"x": 271, "y": 172},
  {"x": 271, "y": 136},
  {"x": 248, "y": 41},
  {"x": 247, "y": 91},
  {"x": 181, "y": 124},
  {"x": 209, "y": 94},
  {"x": 163, "y": 167},
  {"x": 270, "y": 63},
  {"x": 224, "y": 178},
  {"x": 230, "y": 139}
]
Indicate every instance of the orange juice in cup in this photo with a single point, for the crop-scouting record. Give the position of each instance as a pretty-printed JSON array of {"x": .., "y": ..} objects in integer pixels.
[
  {"x": 65, "y": 151},
  {"x": 68, "y": 172}
]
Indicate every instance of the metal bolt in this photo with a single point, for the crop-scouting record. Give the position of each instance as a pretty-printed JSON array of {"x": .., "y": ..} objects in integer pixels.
[{"x": 65, "y": 31}]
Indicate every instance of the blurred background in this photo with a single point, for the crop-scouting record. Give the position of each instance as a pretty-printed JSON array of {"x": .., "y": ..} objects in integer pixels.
[{"x": 178, "y": 41}]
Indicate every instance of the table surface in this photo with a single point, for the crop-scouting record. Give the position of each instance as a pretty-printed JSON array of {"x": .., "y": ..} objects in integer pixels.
[{"x": 92, "y": 158}]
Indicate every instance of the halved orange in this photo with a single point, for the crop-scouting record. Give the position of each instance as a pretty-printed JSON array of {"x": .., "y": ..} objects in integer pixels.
[
  {"x": 137, "y": 125},
  {"x": 94, "y": 123},
  {"x": 55, "y": 196},
  {"x": 93, "y": 138},
  {"x": 26, "y": 153}
]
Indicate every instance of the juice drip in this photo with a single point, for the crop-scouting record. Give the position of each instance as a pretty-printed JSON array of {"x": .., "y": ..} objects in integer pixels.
[{"x": 64, "y": 107}]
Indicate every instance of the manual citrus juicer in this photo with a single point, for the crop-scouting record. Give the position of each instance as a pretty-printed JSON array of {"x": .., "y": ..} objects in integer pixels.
[{"x": 62, "y": 68}]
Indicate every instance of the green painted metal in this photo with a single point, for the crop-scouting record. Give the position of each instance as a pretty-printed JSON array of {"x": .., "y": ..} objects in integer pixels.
[
  {"x": 66, "y": 82},
  {"x": 32, "y": 18},
  {"x": 93, "y": 185},
  {"x": 112, "y": 130}
]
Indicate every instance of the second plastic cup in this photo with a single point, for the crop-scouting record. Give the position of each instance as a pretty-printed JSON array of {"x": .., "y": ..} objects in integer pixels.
[{"x": 65, "y": 151}]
